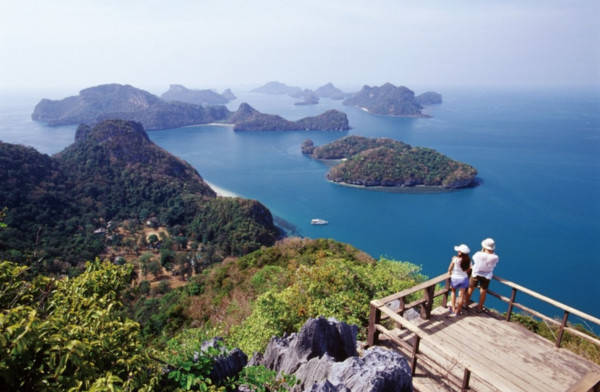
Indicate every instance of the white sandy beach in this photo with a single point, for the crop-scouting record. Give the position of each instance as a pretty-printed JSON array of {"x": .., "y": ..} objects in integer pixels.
[{"x": 220, "y": 191}]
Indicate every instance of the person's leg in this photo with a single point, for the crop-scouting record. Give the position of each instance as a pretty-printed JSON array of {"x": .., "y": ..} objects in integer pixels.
[
  {"x": 482, "y": 294},
  {"x": 453, "y": 300},
  {"x": 472, "y": 283},
  {"x": 461, "y": 299}
]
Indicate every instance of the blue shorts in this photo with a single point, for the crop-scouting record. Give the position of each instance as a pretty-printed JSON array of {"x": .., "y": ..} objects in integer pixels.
[{"x": 460, "y": 283}]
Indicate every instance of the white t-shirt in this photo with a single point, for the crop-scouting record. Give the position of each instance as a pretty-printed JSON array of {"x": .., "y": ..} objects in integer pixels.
[
  {"x": 457, "y": 272},
  {"x": 484, "y": 264}
]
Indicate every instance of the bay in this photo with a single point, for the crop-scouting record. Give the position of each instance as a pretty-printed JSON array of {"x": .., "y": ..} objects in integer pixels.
[{"x": 537, "y": 153}]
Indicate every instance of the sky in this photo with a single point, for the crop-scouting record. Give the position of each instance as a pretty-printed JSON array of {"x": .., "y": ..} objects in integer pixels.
[{"x": 73, "y": 44}]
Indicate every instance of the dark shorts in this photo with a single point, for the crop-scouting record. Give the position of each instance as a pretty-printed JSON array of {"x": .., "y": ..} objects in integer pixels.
[
  {"x": 459, "y": 283},
  {"x": 479, "y": 280}
]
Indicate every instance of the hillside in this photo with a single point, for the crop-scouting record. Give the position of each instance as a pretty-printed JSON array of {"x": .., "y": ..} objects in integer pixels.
[
  {"x": 64, "y": 209},
  {"x": 116, "y": 101},
  {"x": 387, "y": 100},
  {"x": 180, "y": 93},
  {"x": 330, "y": 91},
  {"x": 387, "y": 162},
  {"x": 249, "y": 119},
  {"x": 278, "y": 88}
]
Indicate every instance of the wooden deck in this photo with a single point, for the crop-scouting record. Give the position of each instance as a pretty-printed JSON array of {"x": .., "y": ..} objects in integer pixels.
[
  {"x": 480, "y": 351},
  {"x": 503, "y": 356}
]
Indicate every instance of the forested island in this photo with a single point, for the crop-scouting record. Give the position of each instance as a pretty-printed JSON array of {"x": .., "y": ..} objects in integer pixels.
[
  {"x": 115, "y": 101},
  {"x": 249, "y": 119},
  {"x": 390, "y": 100},
  {"x": 180, "y": 93},
  {"x": 390, "y": 163},
  {"x": 309, "y": 97},
  {"x": 100, "y": 191}
]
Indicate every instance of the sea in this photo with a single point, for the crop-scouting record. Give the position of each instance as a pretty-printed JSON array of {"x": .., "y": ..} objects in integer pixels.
[{"x": 537, "y": 152}]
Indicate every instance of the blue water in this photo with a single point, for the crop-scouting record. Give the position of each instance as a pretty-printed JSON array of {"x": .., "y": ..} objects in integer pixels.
[{"x": 537, "y": 153}]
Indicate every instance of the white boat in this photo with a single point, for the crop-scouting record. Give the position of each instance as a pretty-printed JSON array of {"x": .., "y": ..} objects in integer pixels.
[{"x": 318, "y": 221}]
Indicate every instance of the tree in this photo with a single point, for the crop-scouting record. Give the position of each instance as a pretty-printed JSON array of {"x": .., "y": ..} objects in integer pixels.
[{"x": 70, "y": 333}]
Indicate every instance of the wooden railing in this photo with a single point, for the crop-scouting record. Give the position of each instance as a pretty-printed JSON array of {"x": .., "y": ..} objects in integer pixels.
[
  {"x": 380, "y": 310},
  {"x": 567, "y": 310}
]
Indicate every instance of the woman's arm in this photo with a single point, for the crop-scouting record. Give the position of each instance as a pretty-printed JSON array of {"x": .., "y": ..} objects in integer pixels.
[{"x": 450, "y": 266}]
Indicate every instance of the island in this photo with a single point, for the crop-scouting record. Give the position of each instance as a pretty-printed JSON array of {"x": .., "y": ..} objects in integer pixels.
[
  {"x": 228, "y": 94},
  {"x": 383, "y": 162},
  {"x": 180, "y": 93},
  {"x": 387, "y": 100},
  {"x": 125, "y": 102},
  {"x": 308, "y": 98},
  {"x": 249, "y": 119},
  {"x": 71, "y": 207},
  {"x": 278, "y": 88},
  {"x": 429, "y": 98},
  {"x": 330, "y": 91}
]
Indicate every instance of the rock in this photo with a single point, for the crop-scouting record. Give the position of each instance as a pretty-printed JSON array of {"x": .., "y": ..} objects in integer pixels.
[
  {"x": 379, "y": 370},
  {"x": 316, "y": 338},
  {"x": 308, "y": 146},
  {"x": 228, "y": 363},
  {"x": 323, "y": 358}
]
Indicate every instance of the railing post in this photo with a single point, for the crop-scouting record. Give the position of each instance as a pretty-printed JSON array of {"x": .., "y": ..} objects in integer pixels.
[
  {"x": 510, "y": 304},
  {"x": 562, "y": 328},
  {"x": 413, "y": 366},
  {"x": 445, "y": 297},
  {"x": 401, "y": 310},
  {"x": 466, "y": 379},
  {"x": 374, "y": 318},
  {"x": 426, "y": 308}
]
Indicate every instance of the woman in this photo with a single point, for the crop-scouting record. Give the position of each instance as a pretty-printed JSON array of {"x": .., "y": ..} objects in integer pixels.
[{"x": 459, "y": 270}]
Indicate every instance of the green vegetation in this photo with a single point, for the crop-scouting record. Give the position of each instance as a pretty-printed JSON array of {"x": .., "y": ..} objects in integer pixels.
[
  {"x": 387, "y": 100},
  {"x": 68, "y": 208},
  {"x": 387, "y": 162}
]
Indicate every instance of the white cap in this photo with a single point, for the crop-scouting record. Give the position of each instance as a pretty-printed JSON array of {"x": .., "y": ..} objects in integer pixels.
[
  {"x": 488, "y": 244},
  {"x": 462, "y": 248}
]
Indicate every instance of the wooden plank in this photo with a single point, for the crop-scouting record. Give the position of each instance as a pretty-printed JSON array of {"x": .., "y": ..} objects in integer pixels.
[
  {"x": 374, "y": 319},
  {"x": 588, "y": 383},
  {"x": 464, "y": 359},
  {"x": 477, "y": 340},
  {"x": 542, "y": 297},
  {"x": 414, "y": 289}
]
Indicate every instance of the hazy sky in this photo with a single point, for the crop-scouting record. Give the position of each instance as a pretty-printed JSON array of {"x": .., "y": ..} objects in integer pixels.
[{"x": 215, "y": 44}]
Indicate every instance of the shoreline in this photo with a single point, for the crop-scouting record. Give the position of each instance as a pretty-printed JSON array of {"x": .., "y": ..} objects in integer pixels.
[
  {"x": 221, "y": 192},
  {"x": 416, "y": 189},
  {"x": 213, "y": 124}
]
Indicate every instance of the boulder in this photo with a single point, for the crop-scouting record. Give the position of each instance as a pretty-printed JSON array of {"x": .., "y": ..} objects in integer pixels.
[{"x": 227, "y": 364}]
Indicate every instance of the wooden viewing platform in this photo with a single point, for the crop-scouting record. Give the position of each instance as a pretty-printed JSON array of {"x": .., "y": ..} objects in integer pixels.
[{"x": 480, "y": 351}]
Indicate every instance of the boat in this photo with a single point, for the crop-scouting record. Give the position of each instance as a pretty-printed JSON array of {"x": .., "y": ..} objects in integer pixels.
[{"x": 318, "y": 221}]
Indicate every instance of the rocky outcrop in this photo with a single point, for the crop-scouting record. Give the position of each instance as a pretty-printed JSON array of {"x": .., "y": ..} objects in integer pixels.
[
  {"x": 429, "y": 98},
  {"x": 323, "y": 357},
  {"x": 278, "y": 88},
  {"x": 308, "y": 146},
  {"x": 249, "y": 119},
  {"x": 330, "y": 91},
  {"x": 180, "y": 93},
  {"x": 387, "y": 100},
  {"x": 227, "y": 363},
  {"x": 124, "y": 102},
  {"x": 308, "y": 98}
]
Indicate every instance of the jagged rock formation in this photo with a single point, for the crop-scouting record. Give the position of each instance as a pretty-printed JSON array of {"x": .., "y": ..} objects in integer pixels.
[
  {"x": 387, "y": 162},
  {"x": 429, "y": 98},
  {"x": 226, "y": 364},
  {"x": 278, "y": 88},
  {"x": 330, "y": 91},
  {"x": 180, "y": 93},
  {"x": 323, "y": 357},
  {"x": 116, "y": 101},
  {"x": 249, "y": 119},
  {"x": 387, "y": 100}
]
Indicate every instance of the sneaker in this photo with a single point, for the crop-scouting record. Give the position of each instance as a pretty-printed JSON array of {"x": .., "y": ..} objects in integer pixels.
[{"x": 452, "y": 315}]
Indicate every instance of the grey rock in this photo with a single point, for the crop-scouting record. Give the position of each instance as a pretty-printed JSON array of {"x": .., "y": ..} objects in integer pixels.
[{"x": 227, "y": 363}]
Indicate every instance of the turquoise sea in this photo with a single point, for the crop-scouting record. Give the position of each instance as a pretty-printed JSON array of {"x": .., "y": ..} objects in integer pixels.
[{"x": 537, "y": 153}]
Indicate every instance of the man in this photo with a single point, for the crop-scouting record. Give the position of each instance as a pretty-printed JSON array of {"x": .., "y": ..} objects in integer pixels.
[{"x": 484, "y": 263}]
